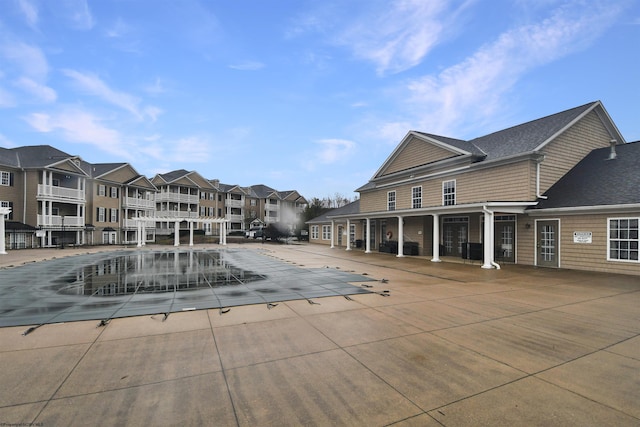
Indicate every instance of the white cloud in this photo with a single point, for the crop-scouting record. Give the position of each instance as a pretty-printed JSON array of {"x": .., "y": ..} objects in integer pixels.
[
  {"x": 118, "y": 30},
  {"x": 39, "y": 91},
  {"x": 78, "y": 13},
  {"x": 247, "y": 66},
  {"x": 80, "y": 126},
  {"x": 474, "y": 89},
  {"x": 397, "y": 35},
  {"x": 334, "y": 150},
  {"x": 93, "y": 85},
  {"x": 6, "y": 99},
  {"x": 29, "y": 59},
  {"x": 30, "y": 12}
]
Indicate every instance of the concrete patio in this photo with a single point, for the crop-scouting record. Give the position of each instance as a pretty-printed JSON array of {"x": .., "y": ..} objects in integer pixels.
[{"x": 451, "y": 345}]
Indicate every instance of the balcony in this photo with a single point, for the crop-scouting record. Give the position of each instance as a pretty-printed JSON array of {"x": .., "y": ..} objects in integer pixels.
[
  {"x": 177, "y": 198},
  {"x": 232, "y": 203},
  {"x": 137, "y": 203},
  {"x": 176, "y": 214},
  {"x": 56, "y": 221},
  {"x": 60, "y": 193},
  {"x": 235, "y": 218}
]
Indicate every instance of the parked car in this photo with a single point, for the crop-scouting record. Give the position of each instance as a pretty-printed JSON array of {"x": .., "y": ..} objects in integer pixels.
[{"x": 255, "y": 232}]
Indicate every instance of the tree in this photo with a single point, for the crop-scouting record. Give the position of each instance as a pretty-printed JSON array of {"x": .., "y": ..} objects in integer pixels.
[{"x": 275, "y": 231}]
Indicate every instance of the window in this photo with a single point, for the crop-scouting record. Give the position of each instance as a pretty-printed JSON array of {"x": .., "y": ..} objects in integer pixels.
[
  {"x": 6, "y": 178},
  {"x": 623, "y": 239},
  {"x": 114, "y": 192},
  {"x": 416, "y": 197},
  {"x": 100, "y": 214},
  {"x": 449, "y": 193},
  {"x": 252, "y": 202},
  {"x": 314, "y": 232},
  {"x": 326, "y": 232},
  {"x": 391, "y": 201},
  {"x": 101, "y": 190},
  {"x": 114, "y": 215}
]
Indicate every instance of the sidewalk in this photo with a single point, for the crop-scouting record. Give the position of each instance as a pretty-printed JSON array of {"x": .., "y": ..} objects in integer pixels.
[{"x": 452, "y": 345}]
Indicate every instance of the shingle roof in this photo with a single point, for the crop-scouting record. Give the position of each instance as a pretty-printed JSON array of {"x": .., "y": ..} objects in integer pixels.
[
  {"x": 173, "y": 175},
  {"x": 350, "y": 208},
  {"x": 33, "y": 156},
  {"x": 457, "y": 143},
  {"x": 526, "y": 137},
  {"x": 597, "y": 181}
]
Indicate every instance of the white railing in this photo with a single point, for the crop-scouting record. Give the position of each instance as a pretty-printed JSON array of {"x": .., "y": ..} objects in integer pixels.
[
  {"x": 176, "y": 214},
  {"x": 56, "y": 221},
  {"x": 235, "y": 218},
  {"x": 234, "y": 203},
  {"x": 60, "y": 192},
  {"x": 133, "y": 202},
  {"x": 177, "y": 197}
]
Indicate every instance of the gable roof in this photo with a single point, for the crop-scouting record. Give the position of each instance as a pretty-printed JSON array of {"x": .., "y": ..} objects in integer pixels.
[
  {"x": 520, "y": 140},
  {"x": 598, "y": 181},
  {"x": 34, "y": 156}
]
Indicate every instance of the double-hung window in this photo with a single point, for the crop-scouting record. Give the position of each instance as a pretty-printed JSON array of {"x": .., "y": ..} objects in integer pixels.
[
  {"x": 314, "y": 232},
  {"x": 102, "y": 190},
  {"x": 114, "y": 215},
  {"x": 114, "y": 192},
  {"x": 416, "y": 197},
  {"x": 5, "y": 178},
  {"x": 449, "y": 193},
  {"x": 326, "y": 232},
  {"x": 391, "y": 201},
  {"x": 623, "y": 239},
  {"x": 100, "y": 214}
]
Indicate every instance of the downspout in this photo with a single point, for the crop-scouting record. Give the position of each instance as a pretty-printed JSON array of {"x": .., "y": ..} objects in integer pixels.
[{"x": 490, "y": 236}]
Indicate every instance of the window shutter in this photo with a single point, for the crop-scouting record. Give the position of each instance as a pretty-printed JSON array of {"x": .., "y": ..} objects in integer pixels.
[
  {"x": 11, "y": 203},
  {"x": 10, "y": 179}
]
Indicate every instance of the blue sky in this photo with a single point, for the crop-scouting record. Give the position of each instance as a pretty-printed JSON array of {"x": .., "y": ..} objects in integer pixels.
[{"x": 304, "y": 95}]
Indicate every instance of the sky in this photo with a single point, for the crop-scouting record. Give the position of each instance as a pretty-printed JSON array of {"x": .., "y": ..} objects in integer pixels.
[{"x": 301, "y": 95}]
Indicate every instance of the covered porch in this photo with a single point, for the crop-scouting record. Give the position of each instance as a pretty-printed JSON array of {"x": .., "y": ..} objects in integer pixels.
[{"x": 479, "y": 231}]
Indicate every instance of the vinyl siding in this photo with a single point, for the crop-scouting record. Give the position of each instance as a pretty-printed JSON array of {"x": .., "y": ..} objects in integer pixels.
[
  {"x": 511, "y": 182},
  {"x": 416, "y": 153},
  {"x": 568, "y": 149},
  {"x": 14, "y": 193},
  {"x": 121, "y": 175},
  {"x": 591, "y": 256}
]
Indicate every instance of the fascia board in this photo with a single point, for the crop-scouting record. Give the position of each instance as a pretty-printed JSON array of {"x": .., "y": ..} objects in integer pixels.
[{"x": 585, "y": 210}]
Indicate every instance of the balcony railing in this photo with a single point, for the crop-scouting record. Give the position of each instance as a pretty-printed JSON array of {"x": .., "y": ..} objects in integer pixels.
[
  {"x": 177, "y": 197},
  {"x": 56, "y": 221},
  {"x": 60, "y": 193},
  {"x": 235, "y": 218},
  {"x": 133, "y": 202},
  {"x": 234, "y": 203},
  {"x": 176, "y": 214}
]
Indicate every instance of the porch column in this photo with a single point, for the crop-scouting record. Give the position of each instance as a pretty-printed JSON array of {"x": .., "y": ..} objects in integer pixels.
[
  {"x": 348, "y": 234},
  {"x": 3, "y": 212},
  {"x": 436, "y": 238},
  {"x": 139, "y": 233},
  {"x": 190, "y": 233},
  {"x": 488, "y": 239},
  {"x": 400, "y": 237},
  {"x": 176, "y": 237},
  {"x": 367, "y": 236},
  {"x": 333, "y": 233},
  {"x": 143, "y": 233}
]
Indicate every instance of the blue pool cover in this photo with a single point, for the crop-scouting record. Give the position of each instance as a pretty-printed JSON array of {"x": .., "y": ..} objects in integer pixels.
[{"x": 124, "y": 283}]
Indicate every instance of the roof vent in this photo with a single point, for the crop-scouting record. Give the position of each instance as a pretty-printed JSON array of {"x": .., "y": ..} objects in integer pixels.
[{"x": 612, "y": 153}]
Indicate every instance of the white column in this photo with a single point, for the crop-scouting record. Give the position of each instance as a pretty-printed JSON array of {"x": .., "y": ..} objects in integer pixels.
[
  {"x": 139, "y": 233},
  {"x": 348, "y": 234},
  {"x": 400, "y": 237},
  {"x": 224, "y": 233},
  {"x": 176, "y": 238},
  {"x": 3, "y": 250},
  {"x": 488, "y": 239},
  {"x": 190, "y": 233},
  {"x": 143, "y": 233},
  {"x": 436, "y": 238},
  {"x": 333, "y": 233},
  {"x": 367, "y": 237}
]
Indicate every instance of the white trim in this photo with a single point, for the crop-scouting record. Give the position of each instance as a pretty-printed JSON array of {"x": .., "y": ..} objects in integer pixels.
[
  {"x": 535, "y": 240},
  {"x": 632, "y": 261},
  {"x": 583, "y": 210}
]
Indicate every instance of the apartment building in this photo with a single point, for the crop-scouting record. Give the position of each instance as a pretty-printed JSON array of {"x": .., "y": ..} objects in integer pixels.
[
  {"x": 182, "y": 194},
  {"x": 503, "y": 197},
  {"x": 50, "y": 198},
  {"x": 118, "y": 195}
]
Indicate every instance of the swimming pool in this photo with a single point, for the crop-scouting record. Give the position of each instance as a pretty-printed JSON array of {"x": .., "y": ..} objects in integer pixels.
[{"x": 107, "y": 285}]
